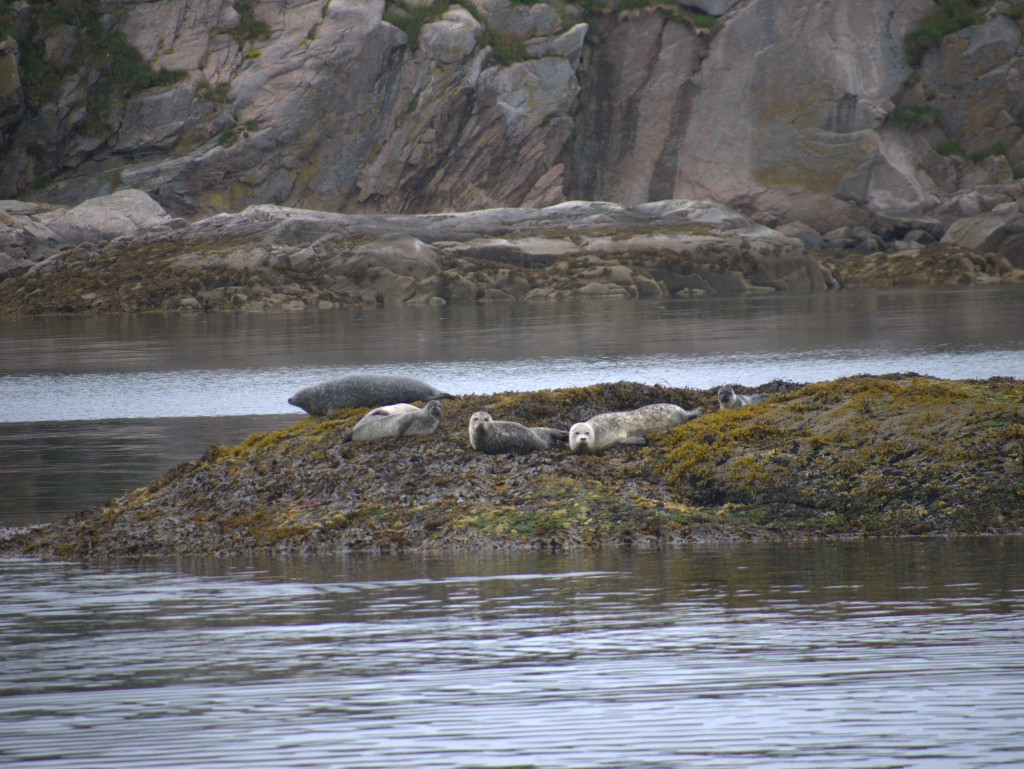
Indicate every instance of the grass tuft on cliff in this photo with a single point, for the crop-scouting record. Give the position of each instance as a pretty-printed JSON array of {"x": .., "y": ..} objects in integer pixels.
[
  {"x": 692, "y": 18},
  {"x": 867, "y": 455},
  {"x": 116, "y": 68},
  {"x": 411, "y": 17},
  {"x": 951, "y": 16}
]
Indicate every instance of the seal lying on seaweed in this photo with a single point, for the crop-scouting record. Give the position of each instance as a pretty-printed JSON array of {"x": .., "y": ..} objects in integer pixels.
[
  {"x": 500, "y": 437},
  {"x": 730, "y": 399},
  {"x": 615, "y": 427},
  {"x": 396, "y": 424}
]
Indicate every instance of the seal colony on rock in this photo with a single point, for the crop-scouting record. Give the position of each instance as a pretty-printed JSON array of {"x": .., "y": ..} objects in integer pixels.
[
  {"x": 730, "y": 399},
  {"x": 501, "y": 437},
  {"x": 626, "y": 427},
  {"x": 370, "y": 390},
  {"x": 724, "y": 476},
  {"x": 382, "y": 423}
]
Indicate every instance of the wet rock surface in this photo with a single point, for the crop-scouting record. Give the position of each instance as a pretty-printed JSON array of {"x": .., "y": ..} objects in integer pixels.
[{"x": 880, "y": 455}]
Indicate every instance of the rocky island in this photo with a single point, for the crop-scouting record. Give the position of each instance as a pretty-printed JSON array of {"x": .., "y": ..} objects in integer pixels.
[{"x": 867, "y": 455}]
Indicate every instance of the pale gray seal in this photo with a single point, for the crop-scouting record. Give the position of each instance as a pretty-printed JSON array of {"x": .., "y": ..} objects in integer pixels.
[
  {"x": 376, "y": 425},
  {"x": 394, "y": 408},
  {"x": 363, "y": 390},
  {"x": 604, "y": 430},
  {"x": 730, "y": 399},
  {"x": 500, "y": 437}
]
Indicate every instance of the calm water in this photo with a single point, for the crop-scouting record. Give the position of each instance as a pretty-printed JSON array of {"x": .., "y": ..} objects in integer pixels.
[
  {"x": 212, "y": 365},
  {"x": 879, "y": 654},
  {"x": 93, "y": 407}
]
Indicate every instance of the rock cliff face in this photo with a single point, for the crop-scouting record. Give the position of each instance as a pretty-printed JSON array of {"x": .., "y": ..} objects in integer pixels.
[{"x": 785, "y": 109}]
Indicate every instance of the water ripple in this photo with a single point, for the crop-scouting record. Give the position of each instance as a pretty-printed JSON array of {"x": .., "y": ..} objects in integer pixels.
[{"x": 720, "y": 658}]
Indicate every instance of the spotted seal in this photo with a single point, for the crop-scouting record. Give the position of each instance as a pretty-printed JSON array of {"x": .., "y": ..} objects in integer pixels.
[
  {"x": 730, "y": 399},
  {"x": 369, "y": 390},
  {"x": 500, "y": 437},
  {"x": 376, "y": 425},
  {"x": 615, "y": 427}
]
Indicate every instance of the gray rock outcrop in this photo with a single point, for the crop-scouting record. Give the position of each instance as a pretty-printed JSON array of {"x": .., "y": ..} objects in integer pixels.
[
  {"x": 1001, "y": 231},
  {"x": 273, "y": 257}
]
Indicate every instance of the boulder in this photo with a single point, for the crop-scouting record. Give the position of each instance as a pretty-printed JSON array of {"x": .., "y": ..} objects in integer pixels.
[
  {"x": 399, "y": 254},
  {"x": 518, "y": 20},
  {"x": 122, "y": 213},
  {"x": 449, "y": 41},
  {"x": 568, "y": 45},
  {"x": 983, "y": 233},
  {"x": 806, "y": 234}
]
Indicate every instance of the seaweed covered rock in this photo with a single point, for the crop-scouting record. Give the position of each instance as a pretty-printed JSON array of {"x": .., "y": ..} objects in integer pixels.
[
  {"x": 861, "y": 455},
  {"x": 901, "y": 454}
]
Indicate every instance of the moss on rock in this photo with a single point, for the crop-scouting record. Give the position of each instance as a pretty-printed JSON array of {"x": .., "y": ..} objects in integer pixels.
[
  {"x": 899, "y": 454},
  {"x": 875, "y": 454}
]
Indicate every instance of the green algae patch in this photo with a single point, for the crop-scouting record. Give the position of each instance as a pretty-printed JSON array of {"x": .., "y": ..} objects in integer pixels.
[
  {"x": 875, "y": 455},
  {"x": 881, "y": 455}
]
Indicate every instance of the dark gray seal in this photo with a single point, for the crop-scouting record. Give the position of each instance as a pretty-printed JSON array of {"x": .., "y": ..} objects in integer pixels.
[
  {"x": 368, "y": 390},
  {"x": 500, "y": 437},
  {"x": 405, "y": 421},
  {"x": 730, "y": 399},
  {"x": 629, "y": 427}
]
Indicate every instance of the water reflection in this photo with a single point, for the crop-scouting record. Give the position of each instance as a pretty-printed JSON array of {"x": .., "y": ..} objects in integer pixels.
[
  {"x": 50, "y": 469},
  {"x": 853, "y": 654}
]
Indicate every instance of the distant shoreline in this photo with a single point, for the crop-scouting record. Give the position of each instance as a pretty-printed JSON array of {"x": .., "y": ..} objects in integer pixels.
[{"x": 270, "y": 258}]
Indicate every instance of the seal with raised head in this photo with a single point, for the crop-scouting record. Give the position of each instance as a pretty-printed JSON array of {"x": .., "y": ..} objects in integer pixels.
[
  {"x": 493, "y": 436},
  {"x": 369, "y": 390},
  {"x": 730, "y": 399},
  {"x": 375, "y": 425},
  {"x": 630, "y": 427}
]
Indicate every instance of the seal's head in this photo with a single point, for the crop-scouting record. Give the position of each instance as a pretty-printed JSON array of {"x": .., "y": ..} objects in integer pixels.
[
  {"x": 479, "y": 423},
  {"x": 435, "y": 409},
  {"x": 726, "y": 397},
  {"x": 581, "y": 438}
]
